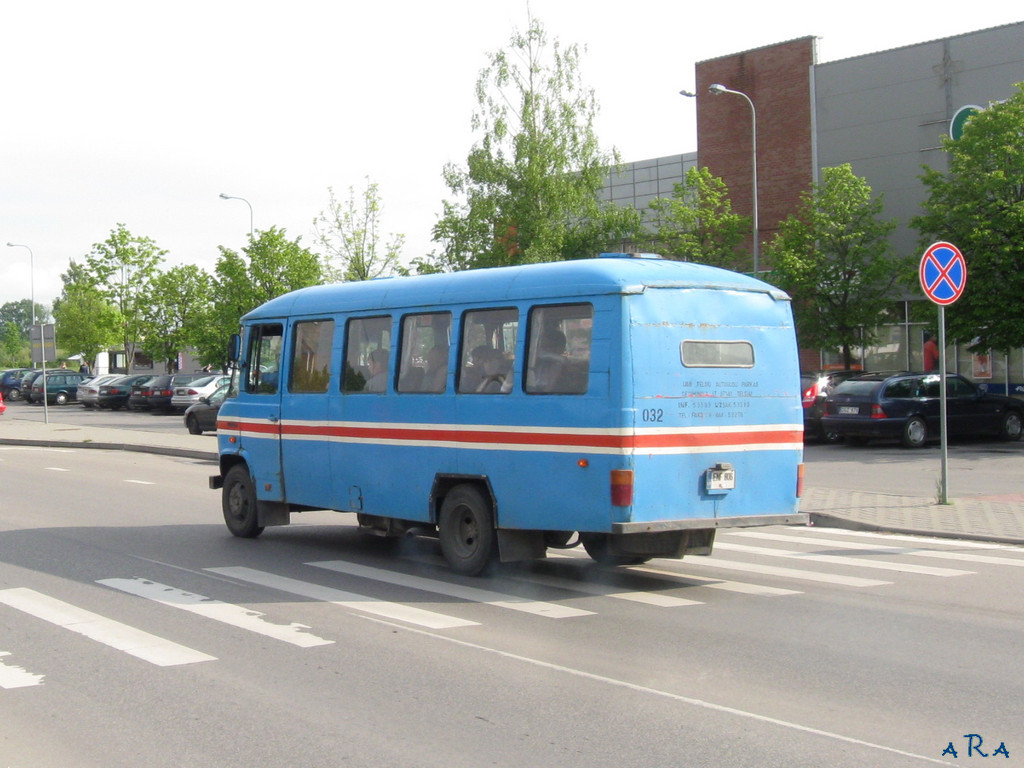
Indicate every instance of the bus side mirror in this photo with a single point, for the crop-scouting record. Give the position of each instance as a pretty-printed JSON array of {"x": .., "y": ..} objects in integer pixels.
[{"x": 234, "y": 347}]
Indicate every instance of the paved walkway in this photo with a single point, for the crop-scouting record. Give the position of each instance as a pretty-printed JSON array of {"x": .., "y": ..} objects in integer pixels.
[{"x": 985, "y": 518}]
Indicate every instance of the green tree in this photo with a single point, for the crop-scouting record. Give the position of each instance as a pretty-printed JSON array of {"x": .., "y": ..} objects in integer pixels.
[
  {"x": 698, "y": 224},
  {"x": 87, "y": 321},
  {"x": 123, "y": 267},
  {"x": 529, "y": 189},
  {"x": 834, "y": 258},
  {"x": 20, "y": 313},
  {"x": 978, "y": 205},
  {"x": 349, "y": 232},
  {"x": 13, "y": 348},
  {"x": 271, "y": 265},
  {"x": 179, "y": 301}
]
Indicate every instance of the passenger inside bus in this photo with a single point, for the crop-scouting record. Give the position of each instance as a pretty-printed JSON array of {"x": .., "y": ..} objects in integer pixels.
[
  {"x": 378, "y": 365},
  {"x": 437, "y": 370},
  {"x": 493, "y": 370}
]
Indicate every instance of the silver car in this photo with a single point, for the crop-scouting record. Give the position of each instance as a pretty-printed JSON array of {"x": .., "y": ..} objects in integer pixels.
[
  {"x": 89, "y": 390},
  {"x": 189, "y": 393}
]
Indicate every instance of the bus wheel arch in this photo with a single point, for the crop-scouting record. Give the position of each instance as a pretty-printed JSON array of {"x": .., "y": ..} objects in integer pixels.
[
  {"x": 238, "y": 501},
  {"x": 466, "y": 528}
]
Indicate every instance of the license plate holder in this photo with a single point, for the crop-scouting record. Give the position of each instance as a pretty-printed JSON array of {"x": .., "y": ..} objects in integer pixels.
[{"x": 848, "y": 410}]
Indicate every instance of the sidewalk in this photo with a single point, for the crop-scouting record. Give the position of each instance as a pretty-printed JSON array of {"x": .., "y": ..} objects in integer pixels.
[{"x": 981, "y": 518}]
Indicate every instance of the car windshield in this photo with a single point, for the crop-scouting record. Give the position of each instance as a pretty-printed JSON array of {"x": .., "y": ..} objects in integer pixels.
[
  {"x": 203, "y": 381},
  {"x": 857, "y": 387}
]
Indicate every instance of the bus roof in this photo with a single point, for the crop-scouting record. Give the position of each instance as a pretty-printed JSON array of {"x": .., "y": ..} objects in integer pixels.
[{"x": 609, "y": 274}]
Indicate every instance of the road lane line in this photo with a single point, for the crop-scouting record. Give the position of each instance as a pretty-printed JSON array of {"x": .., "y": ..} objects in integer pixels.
[
  {"x": 652, "y": 598},
  {"x": 788, "y": 573},
  {"x": 226, "y": 613},
  {"x": 349, "y": 600},
  {"x": 142, "y": 645},
  {"x": 846, "y": 561},
  {"x": 686, "y": 579},
  {"x": 473, "y": 594}
]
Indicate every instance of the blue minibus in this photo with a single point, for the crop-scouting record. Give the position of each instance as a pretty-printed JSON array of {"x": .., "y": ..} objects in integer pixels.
[{"x": 627, "y": 403}]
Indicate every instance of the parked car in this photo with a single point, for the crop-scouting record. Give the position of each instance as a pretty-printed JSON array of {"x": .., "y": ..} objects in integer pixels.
[
  {"x": 188, "y": 394},
  {"x": 10, "y": 382},
  {"x": 26, "y": 384},
  {"x": 139, "y": 398},
  {"x": 202, "y": 416},
  {"x": 61, "y": 386},
  {"x": 815, "y": 387},
  {"x": 159, "y": 398},
  {"x": 89, "y": 390},
  {"x": 114, "y": 394},
  {"x": 905, "y": 407}
]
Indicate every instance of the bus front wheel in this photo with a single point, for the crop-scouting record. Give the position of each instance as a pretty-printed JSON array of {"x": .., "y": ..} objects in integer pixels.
[
  {"x": 238, "y": 500},
  {"x": 466, "y": 529}
]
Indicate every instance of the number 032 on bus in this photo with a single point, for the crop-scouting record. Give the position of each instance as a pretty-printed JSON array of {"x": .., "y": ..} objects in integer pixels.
[{"x": 628, "y": 403}]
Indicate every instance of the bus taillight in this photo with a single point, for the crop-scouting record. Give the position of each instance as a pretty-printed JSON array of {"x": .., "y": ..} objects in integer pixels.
[{"x": 622, "y": 487}]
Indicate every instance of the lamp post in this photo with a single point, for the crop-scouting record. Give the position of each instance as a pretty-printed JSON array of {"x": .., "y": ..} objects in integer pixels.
[
  {"x": 31, "y": 276},
  {"x": 232, "y": 197},
  {"x": 716, "y": 89}
]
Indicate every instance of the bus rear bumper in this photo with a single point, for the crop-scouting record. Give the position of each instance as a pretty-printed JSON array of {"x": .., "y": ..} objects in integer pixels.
[{"x": 745, "y": 521}]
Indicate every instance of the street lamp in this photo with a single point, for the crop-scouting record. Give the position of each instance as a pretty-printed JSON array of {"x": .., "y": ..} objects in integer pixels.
[
  {"x": 232, "y": 197},
  {"x": 716, "y": 89},
  {"x": 31, "y": 276}
]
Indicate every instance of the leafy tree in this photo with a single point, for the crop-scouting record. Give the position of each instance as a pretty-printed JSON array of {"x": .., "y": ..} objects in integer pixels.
[
  {"x": 178, "y": 306},
  {"x": 20, "y": 313},
  {"x": 13, "y": 348},
  {"x": 834, "y": 258},
  {"x": 123, "y": 267},
  {"x": 529, "y": 190},
  {"x": 978, "y": 205},
  {"x": 87, "y": 322},
  {"x": 349, "y": 233},
  {"x": 272, "y": 265},
  {"x": 698, "y": 224}
]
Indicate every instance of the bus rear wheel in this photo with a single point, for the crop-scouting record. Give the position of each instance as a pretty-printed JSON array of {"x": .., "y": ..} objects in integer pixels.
[
  {"x": 598, "y": 546},
  {"x": 466, "y": 529},
  {"x": 238, "y": 501}
]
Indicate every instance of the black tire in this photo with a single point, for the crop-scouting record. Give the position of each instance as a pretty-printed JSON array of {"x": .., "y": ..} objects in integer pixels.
[
  {"x": 193, "y": 425},
  {"x": 13, "y": 394},
  {"x": 61, "y": 398},
  {"x": 469, "y": 541},
  {"x": 238, "y": 500},
  {"x": 915, "y": 432},
  {"x": 597, "y": 546},
  {"x": 1013, "y": 425}
]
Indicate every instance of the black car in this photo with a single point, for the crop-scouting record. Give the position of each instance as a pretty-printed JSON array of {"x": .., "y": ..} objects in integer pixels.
[
  {"x": 202, "y": 416},
  {"x": 61, "y": 387},
  {"x": 814, "y": 388},
  {"x": 26, "y": 384},
  {"x": 905, "y": 407},
  {"x": 162, "y": 389},
  {"x": 138, "y": 399},
  {"x": 10, "y": 383},
  {"x": 114, "y": 394}
]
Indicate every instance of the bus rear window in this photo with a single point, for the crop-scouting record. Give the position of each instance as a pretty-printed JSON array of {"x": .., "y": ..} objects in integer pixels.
[{"x": 717, "y": 354}]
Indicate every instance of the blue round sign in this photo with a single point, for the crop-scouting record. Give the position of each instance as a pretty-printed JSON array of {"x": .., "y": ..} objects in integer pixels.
[{"x": 943, "y": 273}]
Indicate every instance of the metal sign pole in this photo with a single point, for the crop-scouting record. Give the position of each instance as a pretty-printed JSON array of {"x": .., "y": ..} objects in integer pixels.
[{"x": 943, "y": 432}]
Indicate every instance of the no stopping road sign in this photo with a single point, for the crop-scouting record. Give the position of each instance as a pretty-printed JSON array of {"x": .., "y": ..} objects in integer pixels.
[{"x": 943, "y": 273}]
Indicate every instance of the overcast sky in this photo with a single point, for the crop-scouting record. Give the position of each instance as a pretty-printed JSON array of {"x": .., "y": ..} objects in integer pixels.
[{"x": 142, "y": 113}]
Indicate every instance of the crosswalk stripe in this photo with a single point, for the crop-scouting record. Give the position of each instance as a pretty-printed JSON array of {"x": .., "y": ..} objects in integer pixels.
[
  {"x": 836, "y": 560},
  {"x": 885, "y": 549},
  {"x": 474, "y": 594},
  {"x": 135, "y": 642},
  {"x": 653, "y": 598},
  {"x": 811, "y": 531},
  {"x": 703, "y": 581},
  {"x": 788, "y": 573},
  {"x": 17, "y": 677},
  {"x": 226, "y": 613},
  {"x": 350, "y": 600}
]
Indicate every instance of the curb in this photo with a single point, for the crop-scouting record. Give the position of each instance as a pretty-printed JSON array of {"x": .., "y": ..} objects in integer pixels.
[
  {"x": 832, "y": 521},
  {"x": 185, "y": 453}
]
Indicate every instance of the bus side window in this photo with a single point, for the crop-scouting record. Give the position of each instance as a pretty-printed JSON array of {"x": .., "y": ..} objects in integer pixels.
[
  {"x": 423, "y": 356},
  {"x": 558, "y": 353},
  {"x": 367, "y": 349},
  {"x": 264, "y": 359},
  {"x": 311, "y": 356},
  {"x": 487, "y": 361}
]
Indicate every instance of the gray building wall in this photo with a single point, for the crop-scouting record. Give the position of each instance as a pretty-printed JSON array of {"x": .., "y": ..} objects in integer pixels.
[
  {"x": 636, "y": 184},
  {"x": 885, "y": 113}
]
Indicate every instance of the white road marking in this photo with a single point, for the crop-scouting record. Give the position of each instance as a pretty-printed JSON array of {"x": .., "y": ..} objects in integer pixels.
[
  {"x": 57, "y": 469},
  {"x": 788, "y": 573},
  {"x": 473, "y": 594},
  {"x": 810, "y": 530},
  {"x": 226, "y": 613},
  {"x": 142, "y": 645},
  {"x": 348, "y": 600},
  {"x": 702, "y": 581},
  {"x": 17, "y": 677},
  {"x": 847, "y": 561},
  {"x": 653, "y": 598},
  {"x": 883, "y": 549},
  {"x": 140, "y": 482}
]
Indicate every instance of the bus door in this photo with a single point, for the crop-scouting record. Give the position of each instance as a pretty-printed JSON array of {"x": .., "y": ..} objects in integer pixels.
[
  {"x": 305, "y": 457},
  {"x": 259, "y": 412}
]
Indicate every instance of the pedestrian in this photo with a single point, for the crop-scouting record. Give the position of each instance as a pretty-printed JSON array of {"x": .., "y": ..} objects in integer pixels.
[{"x": 931, "y": 353}]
